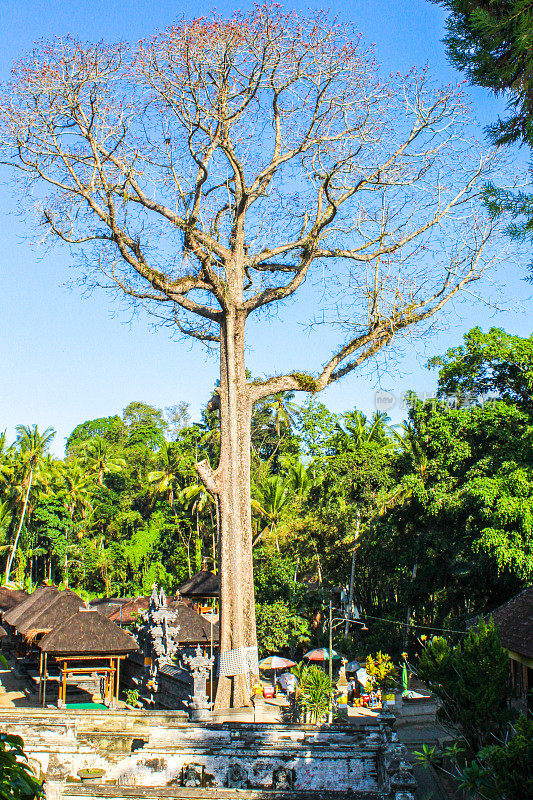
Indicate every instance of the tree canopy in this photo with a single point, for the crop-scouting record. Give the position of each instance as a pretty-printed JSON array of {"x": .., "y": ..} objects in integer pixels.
[{"x": 492, "y": 43}]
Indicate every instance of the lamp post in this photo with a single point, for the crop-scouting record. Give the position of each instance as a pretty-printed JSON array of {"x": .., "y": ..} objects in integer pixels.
[{"x": 330, "y": 643}]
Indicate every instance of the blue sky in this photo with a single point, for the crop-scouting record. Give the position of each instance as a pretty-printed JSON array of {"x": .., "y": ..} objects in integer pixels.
[{"x": 66, "y": 358}]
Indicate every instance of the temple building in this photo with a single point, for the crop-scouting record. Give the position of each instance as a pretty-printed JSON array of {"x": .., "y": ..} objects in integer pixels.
[
  {"x": 87, "y": 646},
  {"x": 514, "y": 621},
  {"x": 202, "y": 591},
  {"x": 168, "y": 633}
]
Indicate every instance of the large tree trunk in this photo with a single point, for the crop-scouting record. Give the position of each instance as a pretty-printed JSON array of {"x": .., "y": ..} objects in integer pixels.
[{"x": 230, "y": 484}]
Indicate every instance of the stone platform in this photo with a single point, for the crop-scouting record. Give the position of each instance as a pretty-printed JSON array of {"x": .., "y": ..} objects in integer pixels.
[{"x": 160, "y": 754}]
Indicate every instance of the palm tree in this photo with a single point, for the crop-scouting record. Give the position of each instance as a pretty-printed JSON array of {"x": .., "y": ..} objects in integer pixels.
[
  {"x": 278, "y": 413},
  {"x": 31, "y": 446},
  {"x": 272, "y": 497},
  {"x": 362, "y": 434},
  {"x": 299, "y": 477},
  {"x": 99, "y": 456},
  {"x": 284, "y": 412},
  {"x": 166, "y": 479},
  {"x": 198, "y": 500},
  {"x": 76, "y": 488},
  {"x": 360, "y": 431},
  {"x": 408, "y": 441}
]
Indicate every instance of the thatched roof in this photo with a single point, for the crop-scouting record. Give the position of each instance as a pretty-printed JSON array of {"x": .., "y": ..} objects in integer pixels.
[
  {"x": 39, "y": 599},
  {"x": 87, "y": 633},
  {"x": 127, "y": 613},
  {"x": 203, "y": 584},
  {"x": 194, "y": 629},
  {"x": 57, "y": 609},
  {"x": 108, "y": 605},
  {"x": 514, "y": 621},
  {"x": 9, "y": 598}
]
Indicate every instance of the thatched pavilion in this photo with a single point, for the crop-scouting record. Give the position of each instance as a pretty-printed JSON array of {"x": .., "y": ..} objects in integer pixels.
[
  {"x": 45, "y": 615},
  {"x": 86, "y": 644},
  {"x": 38, "y": 600},
  {"x": 203, "y": 589},
  {"x": 9, "y": 598}
]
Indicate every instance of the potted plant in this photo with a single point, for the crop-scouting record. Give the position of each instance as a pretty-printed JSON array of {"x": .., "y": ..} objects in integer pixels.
[
  {"x": 132, "y": 698},
  {"x": 88, "y": 775}
]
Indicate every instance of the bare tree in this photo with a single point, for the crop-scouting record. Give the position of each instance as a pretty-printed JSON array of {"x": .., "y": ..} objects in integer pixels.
[{"x": 209, "y": 171}]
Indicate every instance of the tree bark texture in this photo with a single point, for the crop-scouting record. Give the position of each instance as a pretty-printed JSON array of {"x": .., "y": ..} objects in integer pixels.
[{"x": 230, "y": 483}]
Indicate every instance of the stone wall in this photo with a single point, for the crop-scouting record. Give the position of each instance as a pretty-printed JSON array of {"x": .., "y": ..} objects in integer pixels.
[
  {"x": 162, "y": 751},
  {"x": 174, "y": 686},
  {"x": 409, "y": 711}
]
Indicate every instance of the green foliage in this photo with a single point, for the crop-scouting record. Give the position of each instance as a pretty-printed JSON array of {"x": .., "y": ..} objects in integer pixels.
[
  {"x": 497, "y": 772},
  {"x": 315, "y": 693},
  {"x": 132, "y": 696},
  {"x": 112, "y": 429},
  {"x": 17, "y": 781},
  {"x": 437, "y": 514},
  {"x": 488, "y": 363},
  {"x": 506, "y": 768},
  {"x": 492, "y": 42},
  {"x": 316, "y": 426},
  {"x": 146, "y": 426},
  {"x": 279, "y": 627},
  {"x": 381, "y": 671},
  {"x": 306, "y": 382},
  {"x": 492, "y": 758},
  {"x": 472, "y": 681},
  {"x": 274, "y": 576}
]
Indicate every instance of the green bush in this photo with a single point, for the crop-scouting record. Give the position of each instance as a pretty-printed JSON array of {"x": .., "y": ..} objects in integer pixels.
[
  {"x": 279, "y": 627},
  {"x": 472, "y": 681},
  {"x": 381, "y": 671},
  {"x": 315, "y": 692},
  {"x": 17, "y": 781}
]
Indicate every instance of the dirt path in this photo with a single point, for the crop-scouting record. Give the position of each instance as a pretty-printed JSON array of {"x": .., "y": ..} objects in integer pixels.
[{"x": 13, "y": 690}]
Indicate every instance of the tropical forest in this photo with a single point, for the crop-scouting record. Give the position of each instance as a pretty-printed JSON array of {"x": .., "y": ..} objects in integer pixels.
[{"x": 429, "y": 521}]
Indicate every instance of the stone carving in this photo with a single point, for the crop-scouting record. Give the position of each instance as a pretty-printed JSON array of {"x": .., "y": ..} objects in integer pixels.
[
  {"x": 283, "y": 779},
  {"x": 157, "y": 630},
  {"x": 192, "y": 775},
  {"x": 393, "y": 755},
  {"x": 403, "y": 780},
  {"x": 237, "y": 777},
  {"x": 157, "y": 633},
  {"x": 200, "y": 666}
]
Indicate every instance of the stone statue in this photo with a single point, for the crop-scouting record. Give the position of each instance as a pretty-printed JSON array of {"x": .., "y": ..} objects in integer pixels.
[
  {"x": 283, "y": 779},
  {"x": 200, "y": 667},
  {"x": 157, "y": 633},
  {"x": 237, "y": 777},
  {"x": 192, "y": 775}
]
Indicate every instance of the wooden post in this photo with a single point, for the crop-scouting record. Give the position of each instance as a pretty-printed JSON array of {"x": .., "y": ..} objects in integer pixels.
[
  {"x": 111, "y": 682},
  {"x": 117, "y": 679},
  {"x": 40, "y": 674},
  {"x": 64, "y": 685},
  {"x": 45, "y": 677}
]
